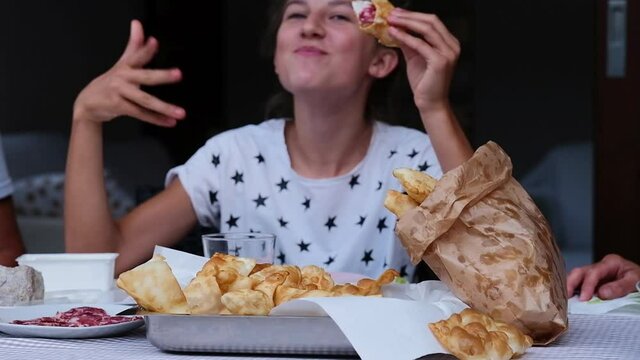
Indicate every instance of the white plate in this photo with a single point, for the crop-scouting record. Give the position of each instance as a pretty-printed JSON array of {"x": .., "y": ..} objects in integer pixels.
[{"x": 8, "y": 314}]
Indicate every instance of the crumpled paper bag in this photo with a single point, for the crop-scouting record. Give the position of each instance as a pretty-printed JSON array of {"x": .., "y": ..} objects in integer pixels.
[{"x": 482, "y": 234}]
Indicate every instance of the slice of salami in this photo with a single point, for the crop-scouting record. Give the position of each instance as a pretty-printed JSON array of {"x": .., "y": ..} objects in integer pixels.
[{"x": 84, "y": 316}]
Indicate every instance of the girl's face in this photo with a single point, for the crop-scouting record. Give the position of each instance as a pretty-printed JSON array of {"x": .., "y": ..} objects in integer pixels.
[{"x": 319, "y": 47}]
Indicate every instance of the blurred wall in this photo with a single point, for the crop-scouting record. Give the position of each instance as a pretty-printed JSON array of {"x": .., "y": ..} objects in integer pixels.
[
  {"x": 50, "y": 50},
  {"x": 535, "y": 73}
]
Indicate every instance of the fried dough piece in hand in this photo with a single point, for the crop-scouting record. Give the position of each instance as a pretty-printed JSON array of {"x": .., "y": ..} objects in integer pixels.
[
  {"x": 247, "y": 302},
  {"x": 399, "y": 203},
  {"x": 471, "y": 335},
  {"x": 372, "y": 19},
  {"x": 416, "y": 183},
  {"x": 154, "y": 287}
]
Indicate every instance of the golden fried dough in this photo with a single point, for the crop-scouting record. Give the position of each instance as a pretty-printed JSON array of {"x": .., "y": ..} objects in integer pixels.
[
  {"x": 416, "y": 183},
  {"x": 154, "y": 287},
  {"x": 471, "y": 335},
  {"x": 399, "y": 203}
]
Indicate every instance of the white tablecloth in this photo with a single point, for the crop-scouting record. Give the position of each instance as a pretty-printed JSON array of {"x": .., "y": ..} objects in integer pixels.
[{"x": 589, "y": 337}]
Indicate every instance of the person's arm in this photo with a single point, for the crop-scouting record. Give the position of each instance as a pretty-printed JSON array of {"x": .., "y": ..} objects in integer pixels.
[
  {"x": 89, "y": 226},
  {"x": 610, "y": 278},
  {"x": 431, "y": 57},
  {"x": 10, "y": 241}
]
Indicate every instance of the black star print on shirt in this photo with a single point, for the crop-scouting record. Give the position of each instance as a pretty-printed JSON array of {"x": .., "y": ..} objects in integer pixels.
[
  {"x": 281, "y": 257},
  {"x": 379, "y": 186},
  {"x": 331, "y": 223},
  {"x": 361, "y": 222},
  {"x": 381, "y": 224},
  {"x": 384, "y": 266},
  {"x": 304, "y": 246},
  {"x": 423, "y": 167},
  {"x": 330, "y": 261},
  {"x": 306, "y": 203},
  {"x": 403, "y": 271},
  {"x": 260, "y": 158},
  {"x": 283, "y": 184},
  {"x": 367, "y": 257},
  {"x": 215, "y": 160},
  {"x": 233, "y": 221},
  {"x": 260, "y": 201},
  {"x": 354, "y": 181},
  {"x": 413, "y": 154},
  {"x": 283, "y": 224},
  {"x": 237, "y": 178},
  {"x": 391, "y": 153},
  {"x": 213, "y": 197}
]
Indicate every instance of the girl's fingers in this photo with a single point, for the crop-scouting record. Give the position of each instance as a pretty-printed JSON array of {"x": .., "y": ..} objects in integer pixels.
[
  {"x": 152, "y": 103},
  {"x": 428, "y": 32},
  {"x": 153, "y": 77},
  {"x": 136, "y": 41},
  {"x": 143, "y": 55},
  {"x": 434, "y": 58},
  {"x": 431, "y": 19},
  {"x": 138, "y": 112}
]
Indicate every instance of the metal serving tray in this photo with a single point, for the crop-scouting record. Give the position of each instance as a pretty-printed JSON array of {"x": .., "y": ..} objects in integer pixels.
[{"x": 299, "y": 335}]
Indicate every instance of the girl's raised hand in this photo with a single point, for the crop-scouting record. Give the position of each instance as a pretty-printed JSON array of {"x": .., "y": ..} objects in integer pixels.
[
  {"x": 117, "y": 92},
  {"x": 431, "y": 53}
]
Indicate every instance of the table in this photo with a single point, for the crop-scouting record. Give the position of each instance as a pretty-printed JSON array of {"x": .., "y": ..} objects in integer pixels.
[{"x": 589, "y": 337}]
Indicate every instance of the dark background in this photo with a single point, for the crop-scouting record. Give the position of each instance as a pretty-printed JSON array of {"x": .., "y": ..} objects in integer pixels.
[{"x": 525, "y": 78}]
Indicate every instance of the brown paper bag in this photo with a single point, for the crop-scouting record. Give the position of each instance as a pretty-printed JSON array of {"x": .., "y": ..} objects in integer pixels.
[{"x": 481, "y": 233}]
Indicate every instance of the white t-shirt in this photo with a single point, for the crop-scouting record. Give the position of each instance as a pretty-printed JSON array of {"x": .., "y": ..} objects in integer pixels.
[
  {"x": 241, "y": 181},
  {"x": 6, "y": 188}
]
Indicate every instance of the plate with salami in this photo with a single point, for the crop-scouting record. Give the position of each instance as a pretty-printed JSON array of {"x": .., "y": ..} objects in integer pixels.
[{"x": 67, "y": 321}]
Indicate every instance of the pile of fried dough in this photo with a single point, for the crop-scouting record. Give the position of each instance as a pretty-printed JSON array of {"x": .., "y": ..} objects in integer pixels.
[{"x": 233, "y": 285}]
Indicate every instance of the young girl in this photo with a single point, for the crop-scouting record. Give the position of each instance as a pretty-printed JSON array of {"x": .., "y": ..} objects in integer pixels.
[{"x": 317, "y": 180}]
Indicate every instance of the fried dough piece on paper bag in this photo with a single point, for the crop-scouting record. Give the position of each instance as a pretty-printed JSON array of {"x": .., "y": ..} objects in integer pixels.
[
  {"x": 417, "y": 184},
  {"x": 471, "y": 335},
  {"x": 399, "y": 203},
  {"x": 484, "y": 237},
  {"x": 154, "y": 287}
]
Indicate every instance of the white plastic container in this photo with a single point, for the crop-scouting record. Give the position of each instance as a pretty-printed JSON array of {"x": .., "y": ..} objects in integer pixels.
[{"x": 73, "y": 271}]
